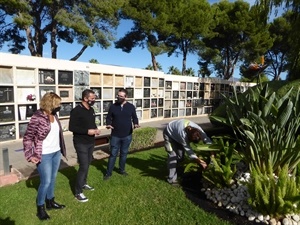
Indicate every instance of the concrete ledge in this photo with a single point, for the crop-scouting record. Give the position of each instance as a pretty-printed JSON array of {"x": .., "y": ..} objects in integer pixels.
[
  {"x": 102, "y": 139},
  {"x": 14, "y": 177}
]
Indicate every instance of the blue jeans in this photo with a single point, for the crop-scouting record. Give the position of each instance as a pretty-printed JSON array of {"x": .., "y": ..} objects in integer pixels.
[
  {"x": 47, "y": 169},
  {"x": 118, "y": 144},
  {"x": 84, "y": 157}
]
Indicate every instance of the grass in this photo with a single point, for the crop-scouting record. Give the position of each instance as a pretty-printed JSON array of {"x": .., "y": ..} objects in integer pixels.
[{"x": 143, "y": 197}]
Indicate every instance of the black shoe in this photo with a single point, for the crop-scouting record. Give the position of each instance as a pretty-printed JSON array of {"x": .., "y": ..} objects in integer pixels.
[
  {"x": 51, "y": 204},
  {"x": 106, "y": 177},
  {"x": 88, "y": 187},
  {"x": 124, "y": 174},
  {"x": 41, "y": 213}
]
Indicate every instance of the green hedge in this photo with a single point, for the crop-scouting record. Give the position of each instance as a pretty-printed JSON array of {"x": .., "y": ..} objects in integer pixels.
[{"x": 143, "y": 138}]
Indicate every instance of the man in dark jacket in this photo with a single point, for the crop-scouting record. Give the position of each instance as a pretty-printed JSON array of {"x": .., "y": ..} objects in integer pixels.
[
  {"x": 82, "y": 124},
  {"x": 121, "y": 119}
]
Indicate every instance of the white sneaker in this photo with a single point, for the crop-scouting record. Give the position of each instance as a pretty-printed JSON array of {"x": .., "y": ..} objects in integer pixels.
[
  {"x": 81, "y": 197},
  {"x": 88, "y": 187}
]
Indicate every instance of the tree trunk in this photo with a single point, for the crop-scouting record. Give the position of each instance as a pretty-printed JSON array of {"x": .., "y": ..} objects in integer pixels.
[
  {"x": 31, "y": 46},
  {"x": 39, "y": 43},
  {"x": 79, "y": 53},
  {"x": 153, "y": 59},
  {"x": 53, "y": 41},
  {"x": 183, "y": 72}
]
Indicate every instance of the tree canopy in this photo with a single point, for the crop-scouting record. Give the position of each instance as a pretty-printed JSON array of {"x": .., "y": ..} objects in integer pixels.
[
  {"x": 225, "y": 35},
  {"x": 88, "y": 22},
  {"x": 293, "y": 55},
  {"x": 236, "y": 36}
]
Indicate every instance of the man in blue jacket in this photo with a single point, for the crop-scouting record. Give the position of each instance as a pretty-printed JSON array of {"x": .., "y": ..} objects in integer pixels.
[{"x": 121, "y": 119}]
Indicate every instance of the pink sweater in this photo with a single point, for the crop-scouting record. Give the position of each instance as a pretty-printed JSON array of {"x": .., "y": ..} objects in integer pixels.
[{"x": 37, "y": 130}]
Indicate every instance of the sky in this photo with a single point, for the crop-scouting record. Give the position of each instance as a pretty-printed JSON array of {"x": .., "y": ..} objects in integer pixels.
[{"x": 137, "y": 58}]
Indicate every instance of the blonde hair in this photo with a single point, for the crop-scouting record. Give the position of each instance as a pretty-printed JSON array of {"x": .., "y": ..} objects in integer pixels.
[{"x": 49, "y": 102}]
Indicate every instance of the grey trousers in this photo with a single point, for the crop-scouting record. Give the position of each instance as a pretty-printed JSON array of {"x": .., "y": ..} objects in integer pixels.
[{"x": 175, "y": 154}]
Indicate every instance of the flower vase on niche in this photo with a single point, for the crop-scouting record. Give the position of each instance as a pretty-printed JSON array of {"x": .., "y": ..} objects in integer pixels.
[
  {"x": 30, "y": 97},
  {"x": 22, "y": 111}
]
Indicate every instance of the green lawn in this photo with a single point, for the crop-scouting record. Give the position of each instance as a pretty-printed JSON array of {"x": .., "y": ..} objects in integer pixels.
[{"x": 142, "y": 198}]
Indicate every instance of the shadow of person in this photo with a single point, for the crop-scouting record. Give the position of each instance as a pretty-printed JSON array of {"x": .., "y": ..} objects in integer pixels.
[
  {"x": 100, "y": 164},
  {"x": 33, "y": 180},
  {"x": 155, "y": 166},
  {"x": 7, "y": 221},
  {"x": 70, "y": 173}
]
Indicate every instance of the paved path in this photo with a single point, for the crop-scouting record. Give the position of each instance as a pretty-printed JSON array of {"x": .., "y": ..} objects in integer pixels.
[{"x": 26, "y": 169}]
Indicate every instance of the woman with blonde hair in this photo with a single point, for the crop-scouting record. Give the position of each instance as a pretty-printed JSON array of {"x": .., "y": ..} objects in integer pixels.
[{"x": 43, "y": 145}]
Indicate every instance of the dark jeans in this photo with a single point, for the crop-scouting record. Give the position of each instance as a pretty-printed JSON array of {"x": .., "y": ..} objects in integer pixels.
[
  {"x": 118, "y": 144},
  {"x": 84, "y": 157}
]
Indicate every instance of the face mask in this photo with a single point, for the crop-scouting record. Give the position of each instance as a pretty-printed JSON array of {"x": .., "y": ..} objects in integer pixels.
[
  {"x": 120, "y": 100},
  {"x": 54, "y": 111},
  {"x": 90, "y": 103}
]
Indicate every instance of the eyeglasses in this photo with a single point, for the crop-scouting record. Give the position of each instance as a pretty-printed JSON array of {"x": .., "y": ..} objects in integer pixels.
[{"x": 119, "y": 96}]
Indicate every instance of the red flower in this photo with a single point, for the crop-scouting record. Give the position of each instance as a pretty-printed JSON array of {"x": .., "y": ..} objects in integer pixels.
[{"x": 30, "y": 97}]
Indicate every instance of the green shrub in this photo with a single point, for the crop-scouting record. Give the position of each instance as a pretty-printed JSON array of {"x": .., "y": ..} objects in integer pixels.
[
  {"x": 221, "y": 158},
  {"x": 287, "y": 86},
  {"x": 280, "y": 87},
  {"x": 143, "y": 138},
  {"x": 203, "y": 151},
  {"x": 274, "y": 196},
  {"x": 222, "y": 167},
  {"x": 266, "y": 125}
]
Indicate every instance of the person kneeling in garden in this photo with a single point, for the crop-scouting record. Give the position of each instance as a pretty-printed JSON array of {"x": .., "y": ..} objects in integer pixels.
[{"x": 177, "y": 137}]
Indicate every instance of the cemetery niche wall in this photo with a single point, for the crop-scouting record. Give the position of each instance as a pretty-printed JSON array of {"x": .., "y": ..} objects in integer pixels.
[{"x": 25, "y": 79}]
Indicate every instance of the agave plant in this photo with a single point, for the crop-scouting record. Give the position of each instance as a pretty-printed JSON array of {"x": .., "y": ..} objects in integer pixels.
[
  {"x": 222, "y": 168},
  {"x": 266, "y": 126},
  {"x": 274, "y": 195}
]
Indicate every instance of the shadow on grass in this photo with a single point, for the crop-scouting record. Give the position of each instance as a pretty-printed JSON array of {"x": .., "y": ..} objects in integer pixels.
[
  {"x": 33, "y": 180},
  {"x": 68, "y": 171},
  {"x": 101, "y": 165},
  {"x": 154, "y": 166},
  {"x": 7, "y": 221}
]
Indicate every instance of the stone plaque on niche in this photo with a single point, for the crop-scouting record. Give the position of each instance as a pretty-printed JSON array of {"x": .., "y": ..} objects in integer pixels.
[
  {"x": 47, "y": 76},
  {"x": 6, "y": 94},
  {"x": 7, "y": 132},
  {"x": 22, "y": 129},
  {"x": 65, "y": 77},
  {"x": 7, "y": 113},
  {"x": 81, "y": 77},
  {"x": 146, "y": 92},
  {"x": 65, "y": 109}
]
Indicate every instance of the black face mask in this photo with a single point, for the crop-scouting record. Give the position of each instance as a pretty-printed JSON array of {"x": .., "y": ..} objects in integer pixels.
[
  {"x": 90, "y": 103},
  {"x": 54, "y": 111},
  {"x": 120, "y": 100}
]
